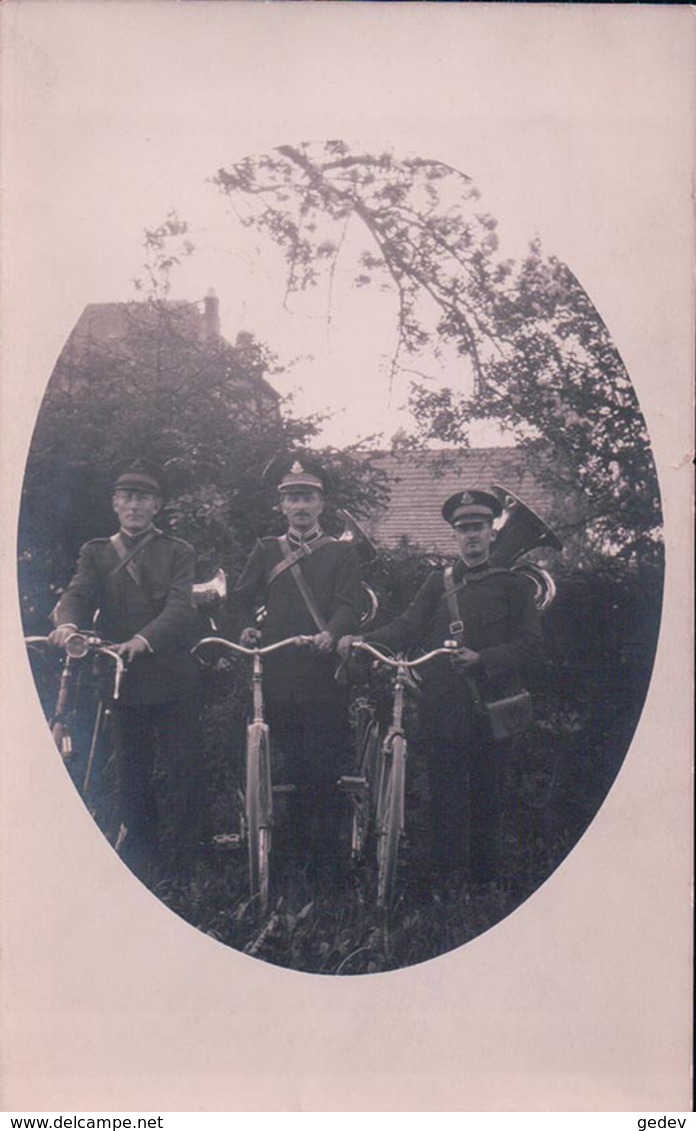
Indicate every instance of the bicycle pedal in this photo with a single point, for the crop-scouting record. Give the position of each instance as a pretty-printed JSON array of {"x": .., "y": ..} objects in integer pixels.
[{"x": 353, "y": 784}]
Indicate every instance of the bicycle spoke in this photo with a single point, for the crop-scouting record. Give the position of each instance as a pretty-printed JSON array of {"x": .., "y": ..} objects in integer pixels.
[
  {"x": 258, "y": 811},
  {"x": 391, "y": 808}
]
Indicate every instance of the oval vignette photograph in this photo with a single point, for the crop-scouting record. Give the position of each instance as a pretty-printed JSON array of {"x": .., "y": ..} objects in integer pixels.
[{"x": 340, "y": 560}]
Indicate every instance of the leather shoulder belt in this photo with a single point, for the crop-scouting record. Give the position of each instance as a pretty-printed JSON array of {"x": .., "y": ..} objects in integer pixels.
[
  {"x": 291, "y": 560},
  {"x": 126, "y": 558}
]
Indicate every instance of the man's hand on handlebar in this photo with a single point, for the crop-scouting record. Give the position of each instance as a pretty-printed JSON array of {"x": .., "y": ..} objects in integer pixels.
[
  {"x": 250, "y": 637},
  {"x": 323, "y": 641},
  {"x": 131, "y": 648},
  {"x": 344, "y": 645},
  {"x": 61, "y": 635},
  {"x": 464, "y": 659}
]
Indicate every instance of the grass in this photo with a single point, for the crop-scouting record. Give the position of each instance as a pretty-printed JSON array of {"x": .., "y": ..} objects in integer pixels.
[{"x": 326, "y": 921}]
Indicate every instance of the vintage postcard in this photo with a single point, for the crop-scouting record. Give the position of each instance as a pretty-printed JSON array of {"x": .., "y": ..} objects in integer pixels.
[{"x": 396, "y": 288}]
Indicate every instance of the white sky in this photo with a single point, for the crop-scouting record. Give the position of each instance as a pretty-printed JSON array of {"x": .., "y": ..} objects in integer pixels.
[{"x": 111, "y": 139}]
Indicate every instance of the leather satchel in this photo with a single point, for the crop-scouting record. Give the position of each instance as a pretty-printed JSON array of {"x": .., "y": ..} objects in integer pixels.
[{"x": 511, "y": 716}]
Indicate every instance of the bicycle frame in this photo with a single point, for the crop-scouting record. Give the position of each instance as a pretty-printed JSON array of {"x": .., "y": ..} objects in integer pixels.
[
  {"x": 258, "y": 794},
  {"x": 389, "y": 804}
]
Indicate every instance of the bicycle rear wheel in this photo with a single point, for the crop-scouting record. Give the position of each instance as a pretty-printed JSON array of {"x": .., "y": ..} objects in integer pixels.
[
  {"x": 258, "y": 810},
  {"x": 364, "y": 800},
  {"x": 390, "y": 818}
]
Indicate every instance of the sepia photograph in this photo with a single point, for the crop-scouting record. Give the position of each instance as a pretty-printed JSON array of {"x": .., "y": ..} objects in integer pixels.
[
  {"x": 341, "y": 531},
  {"x": 296, "y": 795}
]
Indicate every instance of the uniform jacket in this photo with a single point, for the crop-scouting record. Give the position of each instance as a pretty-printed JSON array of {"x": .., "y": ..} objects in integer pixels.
[
  {"x": 333, "y": 575},
  {"x": 500, "y": 621},
  {"x": 160, "y": 610}
]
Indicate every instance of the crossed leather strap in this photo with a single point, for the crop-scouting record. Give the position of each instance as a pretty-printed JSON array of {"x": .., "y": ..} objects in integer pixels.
[
  {"x": 291, "y": 560},
  {"x": 126, "y": 556}
]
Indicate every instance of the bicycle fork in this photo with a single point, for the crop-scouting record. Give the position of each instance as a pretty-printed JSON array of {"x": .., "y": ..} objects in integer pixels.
[{"x": 395, "y": 731}]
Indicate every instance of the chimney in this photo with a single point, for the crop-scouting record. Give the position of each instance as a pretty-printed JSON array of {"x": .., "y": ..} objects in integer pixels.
[{"x": 211, "y": 316}]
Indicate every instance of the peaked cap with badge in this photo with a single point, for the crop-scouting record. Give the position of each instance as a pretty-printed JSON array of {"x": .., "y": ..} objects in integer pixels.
[
  {"x": 474, "y": 504},
  {"x": 139, "y": 475},
  {"x": 296, "y": 473}
]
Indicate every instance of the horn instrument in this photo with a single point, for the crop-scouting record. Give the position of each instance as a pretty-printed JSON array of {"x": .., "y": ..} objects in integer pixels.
[
  {"x": 354, "y": 534},
  {"x": 521, "y": 530},
  {"x": 206, "y": 592}
]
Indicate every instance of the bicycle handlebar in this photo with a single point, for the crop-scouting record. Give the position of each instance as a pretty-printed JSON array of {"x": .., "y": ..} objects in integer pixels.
[
  {"x": 79, "y": 644},
  {"x": 244, "y": 651},
  {"x": 449, "y": 649}
]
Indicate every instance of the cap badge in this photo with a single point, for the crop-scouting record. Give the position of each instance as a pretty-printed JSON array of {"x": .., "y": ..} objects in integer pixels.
[
  {"x": 466, "y": 499},
  {"x": 296, "y": 468}
]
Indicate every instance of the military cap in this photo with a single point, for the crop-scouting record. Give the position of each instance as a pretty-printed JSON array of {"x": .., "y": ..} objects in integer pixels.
[
  {"x": 295, "y": 473},
  {"x": 470, "y": 505},
  {"x": 139, "y": 475}
]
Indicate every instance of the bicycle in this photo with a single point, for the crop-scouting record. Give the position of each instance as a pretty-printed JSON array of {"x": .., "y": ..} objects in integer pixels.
[
  {"x": 380, "y": 789},
  {"x": 257, "y": 817},
  {"x": 79, "y": 645}
]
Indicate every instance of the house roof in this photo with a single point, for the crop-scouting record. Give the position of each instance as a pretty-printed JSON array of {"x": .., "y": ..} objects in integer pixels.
[
  {"x": 421, "y": 482},
  {"x": 112, "y": 321},
  {"x": 107, "y": 326}
]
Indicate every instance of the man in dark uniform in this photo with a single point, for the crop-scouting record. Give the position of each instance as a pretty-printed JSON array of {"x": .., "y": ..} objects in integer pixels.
[
  {"x": 310, "y": 585},
  {"x": 489, "y": 611},
  {"x": 141, "y": 581}
]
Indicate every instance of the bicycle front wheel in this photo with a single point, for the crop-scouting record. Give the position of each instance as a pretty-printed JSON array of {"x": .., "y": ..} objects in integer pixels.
[
  {"x": 259, "y": 810},
  {"x": 390, "y": 819}
]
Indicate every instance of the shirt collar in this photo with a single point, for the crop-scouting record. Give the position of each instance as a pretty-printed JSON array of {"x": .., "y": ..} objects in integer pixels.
[
  {"x": 298, "y": 539},
  {"x": 133, "y": 538},
  {"x": 463, "y": 569}
]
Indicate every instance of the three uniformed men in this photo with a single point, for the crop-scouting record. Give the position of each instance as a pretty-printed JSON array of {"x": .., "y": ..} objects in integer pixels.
[{"x": 141, "y": 581}]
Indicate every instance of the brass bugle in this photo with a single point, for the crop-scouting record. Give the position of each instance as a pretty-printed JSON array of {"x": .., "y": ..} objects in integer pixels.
[
  {"x": 354, "y": 534},
  {"x": 207, "y": 592}
]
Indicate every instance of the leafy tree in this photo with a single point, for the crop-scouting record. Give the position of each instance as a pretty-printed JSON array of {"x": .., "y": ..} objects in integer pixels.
[{"x": 533, "y": 351}]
